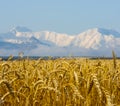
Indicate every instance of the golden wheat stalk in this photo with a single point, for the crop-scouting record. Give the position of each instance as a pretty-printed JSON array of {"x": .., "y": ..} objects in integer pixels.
[
  {"x": 114, "y": 59},
  {"x": 37, "y": 83},
  {"x": 97, "y": 86},
  {"x": 14, "y": 92},
  {"x": 107, "y": 96},
  {"x": 7, "y": 84},
  {"x": 75, "y": 90},
  {"x": 76, "y": 78}
]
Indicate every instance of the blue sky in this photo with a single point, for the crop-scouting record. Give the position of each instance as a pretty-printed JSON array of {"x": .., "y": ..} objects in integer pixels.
[{"x": 63, "y": 16}]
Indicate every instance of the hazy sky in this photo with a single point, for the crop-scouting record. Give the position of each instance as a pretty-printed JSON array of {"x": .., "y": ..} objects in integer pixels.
[{"x": 63, "y": 16}]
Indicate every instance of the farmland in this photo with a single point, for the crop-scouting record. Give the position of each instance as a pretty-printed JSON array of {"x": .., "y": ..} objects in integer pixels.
[{"x": 60, "y": 82}]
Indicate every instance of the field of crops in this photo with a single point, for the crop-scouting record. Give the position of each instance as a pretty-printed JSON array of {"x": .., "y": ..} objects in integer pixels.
[{"x": 60, "y": 82}]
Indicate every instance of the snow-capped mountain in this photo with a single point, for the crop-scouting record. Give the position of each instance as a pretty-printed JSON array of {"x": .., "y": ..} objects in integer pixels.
[
  {"x": 93, "y": 42},
  {"x": 97, "y": 38}
]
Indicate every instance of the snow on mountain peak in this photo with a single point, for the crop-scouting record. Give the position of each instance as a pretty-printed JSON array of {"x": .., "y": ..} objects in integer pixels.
[
  {"x": 102, "y": 31},
  {"x": 89, "y": 39}
]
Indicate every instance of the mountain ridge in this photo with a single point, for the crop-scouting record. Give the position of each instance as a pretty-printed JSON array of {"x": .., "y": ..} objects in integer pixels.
[{"x": 89, "y": 42}]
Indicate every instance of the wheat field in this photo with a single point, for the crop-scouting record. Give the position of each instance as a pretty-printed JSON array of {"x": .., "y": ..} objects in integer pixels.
[{"x": 60, "y": 82}]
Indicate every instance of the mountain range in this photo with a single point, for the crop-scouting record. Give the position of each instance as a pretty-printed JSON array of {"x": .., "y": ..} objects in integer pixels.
[{"x": 92, "y": 42}]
